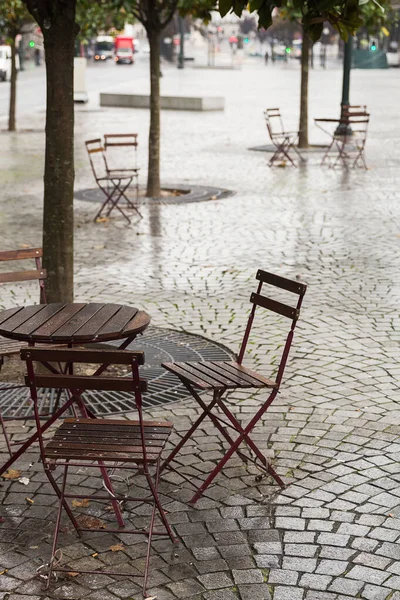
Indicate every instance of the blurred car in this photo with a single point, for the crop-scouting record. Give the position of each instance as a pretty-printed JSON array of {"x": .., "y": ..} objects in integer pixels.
[{"x": 279, "y": 52}]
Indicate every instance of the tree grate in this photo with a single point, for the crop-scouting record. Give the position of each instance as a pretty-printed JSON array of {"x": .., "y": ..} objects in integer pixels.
[{"x": 159, "y": 345}]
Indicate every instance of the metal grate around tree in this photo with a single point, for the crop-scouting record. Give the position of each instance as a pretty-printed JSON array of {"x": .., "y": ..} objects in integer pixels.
[{"x": 159, "y": 345}]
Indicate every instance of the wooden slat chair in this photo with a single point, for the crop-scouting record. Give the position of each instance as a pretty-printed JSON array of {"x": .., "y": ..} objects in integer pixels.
[
  {"x": 114, "y": 184},
  {"x": 284, "y": 141},
  {"x": 133, "y": 445},
  {"x": 128, "y": 164},
  {"x": 347, "y": 143},
  {"x": 219, "y": 377},
  {"x": 9, "y": 347}
]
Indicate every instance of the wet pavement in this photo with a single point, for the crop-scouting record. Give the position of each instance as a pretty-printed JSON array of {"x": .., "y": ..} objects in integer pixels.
[{"x": 332, "y": 433}]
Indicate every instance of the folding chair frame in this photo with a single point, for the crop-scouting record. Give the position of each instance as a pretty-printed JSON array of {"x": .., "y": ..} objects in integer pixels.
[
  {"x": 352, "y": 116},
  {"x": 217, "y": 399},
  {"x": 75, "y": 386},
  {"x": 11, "y": 347},
  {"x": 114, "y": 185},
  {"x": 282, "y": 140}
]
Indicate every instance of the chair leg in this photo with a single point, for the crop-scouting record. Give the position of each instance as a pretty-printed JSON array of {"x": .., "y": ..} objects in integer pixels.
[
  {"x": 157, "y": 506},
  {"x": 62, "y": 503},
  {"x": 3, "y": 427}
]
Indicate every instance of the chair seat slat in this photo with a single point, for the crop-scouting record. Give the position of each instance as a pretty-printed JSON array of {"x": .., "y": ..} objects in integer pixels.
[
  {"x": 183, "y": 374},
  {"x": 119, "y": 422},
  {"x": 243, "y": 378}
]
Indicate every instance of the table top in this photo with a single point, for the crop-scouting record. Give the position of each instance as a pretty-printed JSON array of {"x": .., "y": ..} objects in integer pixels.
[{"x": 75, "y": 323}]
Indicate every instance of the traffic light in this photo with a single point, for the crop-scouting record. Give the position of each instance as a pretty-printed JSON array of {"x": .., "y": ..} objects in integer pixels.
[
  {"x": 246, "y": 40},
  {"x": 31, "y": 44},
  {"x": 373, "y": 46},
  {"x": 287, "y": 50}
]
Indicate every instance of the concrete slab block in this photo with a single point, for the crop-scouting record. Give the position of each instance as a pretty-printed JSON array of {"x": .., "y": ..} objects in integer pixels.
[{"x": 200, "y": 103}]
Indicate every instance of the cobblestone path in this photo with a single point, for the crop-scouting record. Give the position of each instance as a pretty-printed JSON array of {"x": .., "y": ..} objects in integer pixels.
[{"x": 333, "y": 431}]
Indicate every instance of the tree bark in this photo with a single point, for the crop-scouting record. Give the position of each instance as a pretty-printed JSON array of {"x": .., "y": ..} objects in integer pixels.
[
  {"x": 13, "y": 87},
  {"x": 58, "y": 220},
  {"x": 153, "y": 176},
  {"x": 305, "y": 61}
]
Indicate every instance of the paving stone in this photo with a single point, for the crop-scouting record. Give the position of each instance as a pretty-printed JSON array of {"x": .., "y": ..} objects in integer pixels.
[
  {"x": 185, "y": 588},
  {"x": 345, "y": 586},
  {"x": 213, "y": 581},
  {"x": 332, "y": 567},
  {"x": 367, "y": 574},
  {"x": 294, "y": 563},
  {"x": 333, "y": 539},
  {"x": 290, "y": 523},
  {"x": 220, "y": 595},
  {"x": 288, "y": 593},
  {"x": 373, "y": 592},
  {"x": 268, "y": 548},
  {"x": 316, "y": 582},
  {"x": 247, "y": 576},
  {"x": 282, "y": 576}
]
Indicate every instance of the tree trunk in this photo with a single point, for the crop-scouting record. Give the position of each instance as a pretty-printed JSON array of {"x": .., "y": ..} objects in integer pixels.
[
  {"x": 303, "y": 124},
  {"x": 58, "y": 220},
  {"x": 13, "y": 87},
  {"x": 153, "y": 176}
]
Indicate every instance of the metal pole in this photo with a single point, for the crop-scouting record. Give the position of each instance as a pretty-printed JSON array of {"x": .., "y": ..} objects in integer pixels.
[
  {"x": 344, "y": 128},
  {"x": 181, "y": 57}
]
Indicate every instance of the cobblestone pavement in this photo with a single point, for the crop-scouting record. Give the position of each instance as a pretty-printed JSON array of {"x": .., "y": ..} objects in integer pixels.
[{"x": 332, "y": 433}]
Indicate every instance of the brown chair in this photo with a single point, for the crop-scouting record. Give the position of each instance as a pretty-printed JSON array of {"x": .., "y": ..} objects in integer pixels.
[
  {"x": 348, "y": 137},
  {"x": 220, "y": 377},
  {"x": 103, "y": 443},
  {"x": 9, "y": 347},
  {"x": 114, "y": 183},
  {"x": 284, "y": 141}
]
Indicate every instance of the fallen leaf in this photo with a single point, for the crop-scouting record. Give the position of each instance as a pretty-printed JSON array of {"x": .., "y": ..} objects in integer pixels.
[
  {"x": 30, "y": 501},
  {"x": 12, "y": 474},
  {"x": 84, "y": 503},
  {"x": 102, "y": 220},
  {"x": 24, "y": 480},
  {"x": 72, "y": 574},
  {"x": 116, "y": 547},
  {"x": 33, "y": 547},
  {"x": 3, "y": 571},
  {"x": 88, "y": 522},
  {"x": 95, "y": 555}
]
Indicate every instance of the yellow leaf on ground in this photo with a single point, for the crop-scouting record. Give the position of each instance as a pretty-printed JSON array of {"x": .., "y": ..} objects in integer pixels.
[
  {"x": 30, "y": 501},
  {"x": 102, "y": 219},
  {"x": 116, "y": 547},
  {"x": 3, "y": 571},
  {"x": 12, "y": 474},
  {"x": 85, "y": 502},
  {"x": 73, "y": 574}
]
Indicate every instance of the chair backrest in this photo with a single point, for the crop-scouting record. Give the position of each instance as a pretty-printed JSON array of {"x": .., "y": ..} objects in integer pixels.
[
  {"x": 76, "y": 385},
  {"x": 274, "y": 122},
  {"x": 38, "y": 274},
  {"x": 95, "y": 150},
  {"x": 120, "y": 161},
  {"x": 357, "y": 117},
  {"x": 290, "y": 312}
]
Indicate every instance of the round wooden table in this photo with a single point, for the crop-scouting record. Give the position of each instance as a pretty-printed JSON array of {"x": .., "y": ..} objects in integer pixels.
[
  {"x": 76, "y": 323},
  {"x": 69, "y": 324}
]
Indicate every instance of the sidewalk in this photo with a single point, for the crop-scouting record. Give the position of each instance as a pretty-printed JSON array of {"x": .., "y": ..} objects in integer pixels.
[{"x": 332, "y": 432}]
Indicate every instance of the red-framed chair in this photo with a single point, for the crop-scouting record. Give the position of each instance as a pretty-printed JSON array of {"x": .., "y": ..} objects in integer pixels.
[
  {"x": 10, "y": 347},
  {"x": 348, "y": 137},
  {"x": 114, "y": 184},
  {"x": 106, "y": 443},
  {"x": 284, "y": 141},
  {"x": 219, "y": 377}
]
